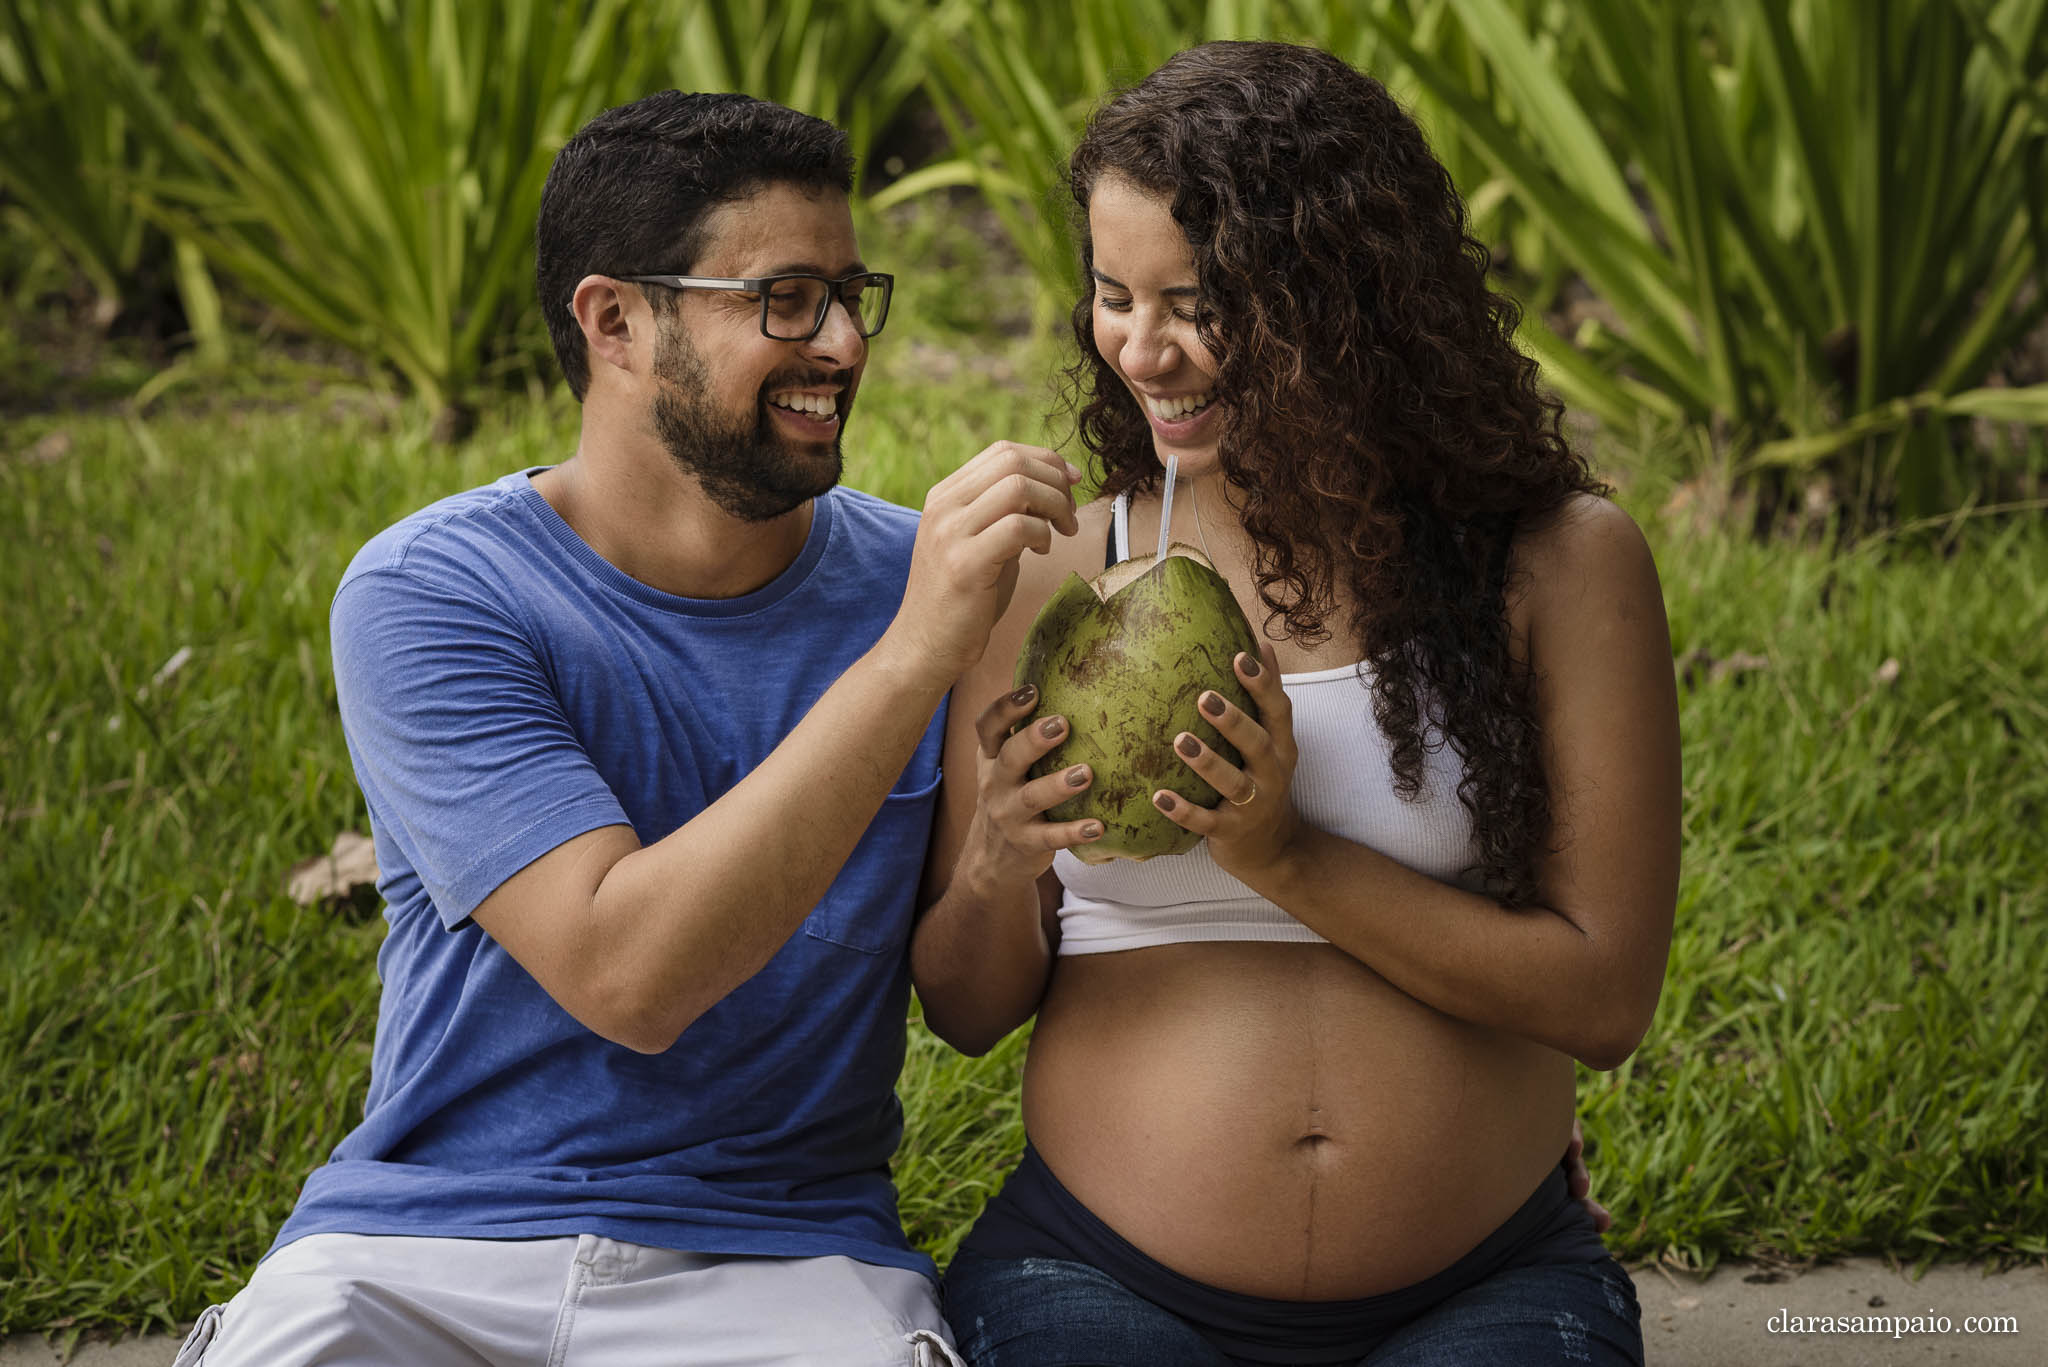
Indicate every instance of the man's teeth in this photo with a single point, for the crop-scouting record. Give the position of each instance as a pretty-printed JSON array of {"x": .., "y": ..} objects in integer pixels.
[
  {"x": 817, "y": 405},
  {"x": 1172, "y": 410}
]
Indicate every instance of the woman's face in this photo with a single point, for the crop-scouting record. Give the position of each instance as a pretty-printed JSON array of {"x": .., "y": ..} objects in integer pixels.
[{"x": 1144, "y": 306}]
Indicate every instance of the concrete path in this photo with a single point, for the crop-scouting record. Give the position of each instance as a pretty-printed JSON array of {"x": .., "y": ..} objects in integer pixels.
[
  {"x": 1726, "y": 1320},
  {"x": 32, "y": 1350},
  {"x": 1737, "y": 1317}
]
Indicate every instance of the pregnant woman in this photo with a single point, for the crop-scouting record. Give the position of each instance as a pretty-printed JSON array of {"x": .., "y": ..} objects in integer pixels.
[{"x": 1299, "y": 1095}]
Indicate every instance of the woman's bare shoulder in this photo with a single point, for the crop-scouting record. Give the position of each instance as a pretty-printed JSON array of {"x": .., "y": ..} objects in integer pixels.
[
  {"x": 1586, "y": 556},
  {"x": 1586, "y": 535},
  {"x": 1572, "y": 525}
]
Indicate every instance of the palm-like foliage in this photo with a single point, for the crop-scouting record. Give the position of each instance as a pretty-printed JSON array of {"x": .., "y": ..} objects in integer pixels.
[
  {"x": 1015, "y": 83},
  {"x": 1816, "y": 226},
  {"x": 67, "y": 153},
  {"x": 375, "y": 168},
  {"x": 53, "y": 131},
  {"x": 855, "y": 62}
]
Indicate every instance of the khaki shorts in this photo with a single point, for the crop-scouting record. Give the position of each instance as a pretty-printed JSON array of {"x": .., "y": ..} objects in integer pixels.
[{"x": 356, "y": 1300}]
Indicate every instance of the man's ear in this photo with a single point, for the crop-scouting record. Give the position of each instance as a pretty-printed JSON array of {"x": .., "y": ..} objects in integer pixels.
[{"x": 606, "y": 311}]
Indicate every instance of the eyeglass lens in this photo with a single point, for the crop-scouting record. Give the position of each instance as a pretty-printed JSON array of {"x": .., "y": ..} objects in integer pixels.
[{"x": 795, "y": 308}]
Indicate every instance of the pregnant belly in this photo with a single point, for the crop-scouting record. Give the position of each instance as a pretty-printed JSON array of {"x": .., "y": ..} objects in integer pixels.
[{"x": 1276, "y": 1119}]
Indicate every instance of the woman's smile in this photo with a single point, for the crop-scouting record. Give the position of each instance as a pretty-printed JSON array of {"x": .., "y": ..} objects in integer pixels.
[
  {"x": 1147, "y": 303},
  {"x": 1181, "y": 420}
]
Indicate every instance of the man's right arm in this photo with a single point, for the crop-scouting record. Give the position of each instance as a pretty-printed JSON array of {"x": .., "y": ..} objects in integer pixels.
[
  {"x": 638, "y": 941},
  {"x": 982, "y": 952}
]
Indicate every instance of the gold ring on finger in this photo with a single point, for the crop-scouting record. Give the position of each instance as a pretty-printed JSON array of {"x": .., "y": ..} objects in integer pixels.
[{"x": 1246, "y": 799}]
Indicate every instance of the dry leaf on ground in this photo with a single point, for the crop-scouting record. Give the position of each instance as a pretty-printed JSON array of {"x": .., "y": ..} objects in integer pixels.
[
  {"x": 342, "y": 875},
  {"x": 53, "y": 447},
  {"x": 1700, "y": 663}
]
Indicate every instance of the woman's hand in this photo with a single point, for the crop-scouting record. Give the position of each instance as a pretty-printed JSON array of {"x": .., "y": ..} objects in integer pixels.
[
  {"x": 1254, "y": 822},
  {"x": 1580, "y": 1181},
  {"x": 1009, "y": 840}
]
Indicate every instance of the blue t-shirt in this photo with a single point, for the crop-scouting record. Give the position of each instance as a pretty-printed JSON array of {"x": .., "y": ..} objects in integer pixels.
[{"x": 504, "y": 688}]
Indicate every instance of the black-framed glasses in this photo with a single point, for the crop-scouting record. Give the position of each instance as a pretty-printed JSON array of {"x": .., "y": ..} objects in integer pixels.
[{"x": 793, "y": 307}]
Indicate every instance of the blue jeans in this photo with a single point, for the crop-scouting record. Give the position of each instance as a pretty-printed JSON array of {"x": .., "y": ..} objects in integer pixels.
[{"x": 1046, "y": 1312}]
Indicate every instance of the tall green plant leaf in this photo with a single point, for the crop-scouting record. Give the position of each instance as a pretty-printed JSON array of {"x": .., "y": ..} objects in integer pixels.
[
  {"x": 1563, "y": 132},
  {"x": 1617, "y": 258},
  {"x": 376, "y": 169},
  {"x": 1847, "y": 197},
  {"x": 67, "y": 152},
  {"x": 859, "y": 63}
]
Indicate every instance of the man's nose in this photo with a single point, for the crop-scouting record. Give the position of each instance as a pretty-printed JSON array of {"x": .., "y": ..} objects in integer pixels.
[{"x": 837, "y": 342}]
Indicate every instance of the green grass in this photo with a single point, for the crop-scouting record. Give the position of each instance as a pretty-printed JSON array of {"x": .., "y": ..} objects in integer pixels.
[
  {"x": 1850, "y": 1054},
  {"x": 1851, "y": 1051}
]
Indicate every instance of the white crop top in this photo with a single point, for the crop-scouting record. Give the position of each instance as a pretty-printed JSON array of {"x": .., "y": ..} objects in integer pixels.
[{"x": 1343, "y": 784}]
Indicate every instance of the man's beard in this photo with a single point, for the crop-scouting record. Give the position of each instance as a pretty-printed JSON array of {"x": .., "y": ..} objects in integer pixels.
[{"x": 748, "y": 469}]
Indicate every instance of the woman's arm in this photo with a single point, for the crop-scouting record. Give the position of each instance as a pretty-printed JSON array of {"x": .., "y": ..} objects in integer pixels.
[
  {"x": 983, "y": 948},
  {"x": 1581, "y": 972}
]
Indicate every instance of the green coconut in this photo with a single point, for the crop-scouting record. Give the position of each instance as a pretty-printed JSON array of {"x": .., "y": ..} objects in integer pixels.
[{"x": 1123, "y": 657}]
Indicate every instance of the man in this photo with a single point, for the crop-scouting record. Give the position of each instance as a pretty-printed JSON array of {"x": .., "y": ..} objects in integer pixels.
[{"x": 650, "y": 740}]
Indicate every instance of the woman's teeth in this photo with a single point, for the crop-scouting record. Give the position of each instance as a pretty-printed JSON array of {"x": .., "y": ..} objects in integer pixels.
[
  {"x": 1174, "y": 410},
  {"x": 817, "y": 405}
]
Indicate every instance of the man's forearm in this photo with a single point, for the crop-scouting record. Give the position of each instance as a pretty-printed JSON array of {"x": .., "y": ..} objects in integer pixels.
[{"x": 692, "y": 916}]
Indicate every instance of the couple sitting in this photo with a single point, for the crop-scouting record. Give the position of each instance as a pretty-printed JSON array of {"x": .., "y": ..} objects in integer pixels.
[{"x": 672, "y": 810}]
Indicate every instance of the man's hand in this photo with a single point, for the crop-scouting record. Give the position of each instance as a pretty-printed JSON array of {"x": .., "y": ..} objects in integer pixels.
[
  {"x": 1581, "y": 1182},
  {"x": 1008, "y": 499}
]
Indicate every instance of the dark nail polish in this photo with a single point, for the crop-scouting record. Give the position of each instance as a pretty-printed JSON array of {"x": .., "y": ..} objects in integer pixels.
[
  {"x": 1251, "y": 667},
  {"x": 1077, "y": 776},
  {"x": 1051, "y": 727},
  {"x": 1212, "y": 703},
  {"x": 1164, "y": 802},
  {"x": 1188, "y": 746},
  {"x": 1024, "y": 695},
  {"x": 1091, "y": 831}
]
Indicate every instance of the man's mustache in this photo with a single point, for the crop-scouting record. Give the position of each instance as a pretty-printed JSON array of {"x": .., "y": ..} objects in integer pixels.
[{"x": 806, "y": 378}]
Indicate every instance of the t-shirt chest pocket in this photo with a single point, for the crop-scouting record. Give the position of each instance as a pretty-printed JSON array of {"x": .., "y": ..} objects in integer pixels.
[{"x": 872, "y": 903}]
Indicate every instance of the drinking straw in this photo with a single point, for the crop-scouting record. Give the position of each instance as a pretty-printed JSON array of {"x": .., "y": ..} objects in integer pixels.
[{"x": 1166, "y": 506}]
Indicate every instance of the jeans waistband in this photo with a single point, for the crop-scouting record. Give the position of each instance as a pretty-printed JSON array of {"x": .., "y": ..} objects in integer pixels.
[{"x": 1035, "y": 1216}]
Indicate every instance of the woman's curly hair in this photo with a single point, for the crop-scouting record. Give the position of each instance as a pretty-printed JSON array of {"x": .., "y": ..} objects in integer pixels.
[{"x": 1383, "y": 432}]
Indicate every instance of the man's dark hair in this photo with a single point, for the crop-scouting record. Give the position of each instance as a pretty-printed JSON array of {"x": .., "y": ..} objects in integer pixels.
[{"x": 628, "y": 194}]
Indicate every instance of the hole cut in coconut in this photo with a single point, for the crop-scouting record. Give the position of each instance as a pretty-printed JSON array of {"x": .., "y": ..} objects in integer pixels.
[{"x": 1124, "y": 571}]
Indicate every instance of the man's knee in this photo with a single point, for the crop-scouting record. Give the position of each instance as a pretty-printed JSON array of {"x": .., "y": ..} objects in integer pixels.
[
  {"x": 337, "y": 1300},
  {"x": 289, "y": 1321}
]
